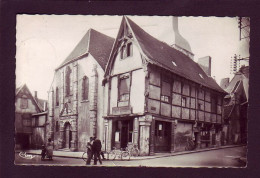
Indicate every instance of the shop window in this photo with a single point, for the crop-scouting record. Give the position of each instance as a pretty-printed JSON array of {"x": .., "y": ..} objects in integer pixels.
[
  {"x": 124, "y": 88},
  {"x": 126, "y": 50},
  {"x": 130, "y": 133},
  {"x": 57, "y": 96},
  {"x": 166, "y": 92},
  {"x": 213, "y": 104},
  {"x": 24, "y": 102},
  {"x": 85, "y": 88},
  {"x": 117, "y": 131},
  {"x": 68, "y": 84}
]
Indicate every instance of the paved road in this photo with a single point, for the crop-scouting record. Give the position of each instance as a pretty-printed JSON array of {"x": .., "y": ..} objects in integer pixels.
[{"x": 217, "y": 158}]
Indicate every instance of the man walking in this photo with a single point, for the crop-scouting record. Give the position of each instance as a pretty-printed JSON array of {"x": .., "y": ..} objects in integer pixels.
[
  {"x": 96, "y": 149},
  {"x": 90, "y": 150}
]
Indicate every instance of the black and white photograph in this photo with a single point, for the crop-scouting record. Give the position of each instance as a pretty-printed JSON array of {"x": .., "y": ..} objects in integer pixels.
[{"x": 131, "y": 91}]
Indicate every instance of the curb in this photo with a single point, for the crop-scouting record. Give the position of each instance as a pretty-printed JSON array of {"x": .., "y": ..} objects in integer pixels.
[{"x": 152, "y": 157}]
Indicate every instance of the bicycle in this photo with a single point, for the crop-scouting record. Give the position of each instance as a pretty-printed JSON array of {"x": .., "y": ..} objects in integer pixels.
[
  {"x": 190, "y": 145},
  {"x": 121, "y": 154},
  {"x": 133, "y": 149}
]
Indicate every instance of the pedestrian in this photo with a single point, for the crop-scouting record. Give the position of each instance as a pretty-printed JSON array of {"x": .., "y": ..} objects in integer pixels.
[
  {"x": 96, "y": 149},
  {"x": 49, "y": 149},
  {"x": 43, "y": 153},
  {"x": 89, "y": 150}
]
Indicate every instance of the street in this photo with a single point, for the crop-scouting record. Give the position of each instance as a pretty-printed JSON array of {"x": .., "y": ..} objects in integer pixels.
[{"x": 228, "y": 157}]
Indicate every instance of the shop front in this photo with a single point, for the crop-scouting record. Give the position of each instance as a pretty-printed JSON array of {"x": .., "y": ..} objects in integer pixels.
[{"x": 120, "y": 131}]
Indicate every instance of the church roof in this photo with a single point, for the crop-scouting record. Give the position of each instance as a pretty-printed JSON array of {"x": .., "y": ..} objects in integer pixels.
[
  {"x": 95, "y": 43},
  {"x": 163, "y": 55}
]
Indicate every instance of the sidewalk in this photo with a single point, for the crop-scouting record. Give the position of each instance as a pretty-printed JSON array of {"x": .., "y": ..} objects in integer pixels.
[{"x": 78, "y": 155}]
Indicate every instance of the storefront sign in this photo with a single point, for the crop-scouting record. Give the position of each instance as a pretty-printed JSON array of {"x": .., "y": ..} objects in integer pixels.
[{"x": 121, "y": 110}]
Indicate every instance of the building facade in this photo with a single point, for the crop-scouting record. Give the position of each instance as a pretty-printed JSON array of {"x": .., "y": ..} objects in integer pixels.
[
  {"x": 235, "y": 106},
  {"x": 76, "y": 94},
  {"x": 157, "y": 97},
  {"x": 26, "y": 106}
]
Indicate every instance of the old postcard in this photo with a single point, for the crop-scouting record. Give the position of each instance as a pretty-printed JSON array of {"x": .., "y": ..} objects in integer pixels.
[{"x": 155, "y": 91}]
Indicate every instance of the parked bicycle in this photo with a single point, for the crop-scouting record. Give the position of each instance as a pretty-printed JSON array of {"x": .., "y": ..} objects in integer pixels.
[
  {"x": 133, "y": 149},
  {"x": 190, "y": 145},
  {"x": 119, "y": 153}
]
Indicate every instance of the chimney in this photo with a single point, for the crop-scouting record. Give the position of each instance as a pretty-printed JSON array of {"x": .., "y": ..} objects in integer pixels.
[
  {"x": 35, "y": 95},
  {"x": 224, "y": 83},
  {"x": 44, "y": 106},
  {"x": 205, "y": 64}
]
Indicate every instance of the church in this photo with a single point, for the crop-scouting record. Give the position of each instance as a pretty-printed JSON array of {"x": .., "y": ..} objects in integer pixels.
[{"x": 76, "y": 94}]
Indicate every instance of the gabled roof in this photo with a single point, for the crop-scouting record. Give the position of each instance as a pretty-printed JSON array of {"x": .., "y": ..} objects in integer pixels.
[
  {"x": 242, "y": 74},
  {"x": 95, "y": 43},
  {"x": 39, "y": 102},
  {"x": 161, "y": 54}
]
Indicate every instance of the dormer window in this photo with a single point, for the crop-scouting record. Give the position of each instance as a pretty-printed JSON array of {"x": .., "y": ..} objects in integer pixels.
[
  {"x": 201, "y": 76},
  {"x": 126, "y": 50},
  {"x": 174, "y": 63}
]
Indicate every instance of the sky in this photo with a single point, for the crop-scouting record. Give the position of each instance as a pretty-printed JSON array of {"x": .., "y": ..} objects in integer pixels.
[{"x": 44, "y": 41}]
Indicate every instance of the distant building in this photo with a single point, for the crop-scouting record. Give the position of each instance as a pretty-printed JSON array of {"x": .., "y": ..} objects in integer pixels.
[
  {"x": 235, "y": 106},
  {"x": 28, "y": 134},
  {"x": 157, "y": 97},
  {"x": 76, "y": 94}
]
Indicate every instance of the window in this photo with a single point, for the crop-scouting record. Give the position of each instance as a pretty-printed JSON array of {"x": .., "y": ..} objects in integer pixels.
[
  {"x": 126, "y": 50},
  {"x": 68, "y": 85},
  {"x": 200, "y": 106},
  {"x": 57, "y": 96},
  {"x": 85, "y": 86},
  {"x": 24, "y": 102},
  {"x": 166, "y": 92},
  {"x": 36, "y": 121},
  {"x": 57, "y": 126},
  {"x": 213, "y": 104},
  {"x": 174, "y": 63},
  {"x": 124, "y": 88},
  {"x": 184, "y": 102}
]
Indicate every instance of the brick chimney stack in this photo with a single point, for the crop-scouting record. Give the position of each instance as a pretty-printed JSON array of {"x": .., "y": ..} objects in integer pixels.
[{"x": 205, "y": 64}]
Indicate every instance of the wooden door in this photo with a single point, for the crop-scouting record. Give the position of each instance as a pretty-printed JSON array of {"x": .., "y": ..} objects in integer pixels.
[{"x": 162, "y": 136}]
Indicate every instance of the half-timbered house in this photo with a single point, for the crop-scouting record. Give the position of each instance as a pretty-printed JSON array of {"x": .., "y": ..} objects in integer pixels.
[
  {"x": 27, "y": 134},
  {"x": 157, "y": 97}
]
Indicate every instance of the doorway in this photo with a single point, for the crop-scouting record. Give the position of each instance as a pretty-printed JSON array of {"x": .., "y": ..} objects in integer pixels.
[
  {"x": 67, "y": 135},
  {"x": 162, "y": 136},
  {"x": 122, "y": 133}
]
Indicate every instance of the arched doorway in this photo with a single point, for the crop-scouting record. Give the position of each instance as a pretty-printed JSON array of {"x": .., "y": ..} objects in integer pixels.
[{"x": 67, "y": 135}]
